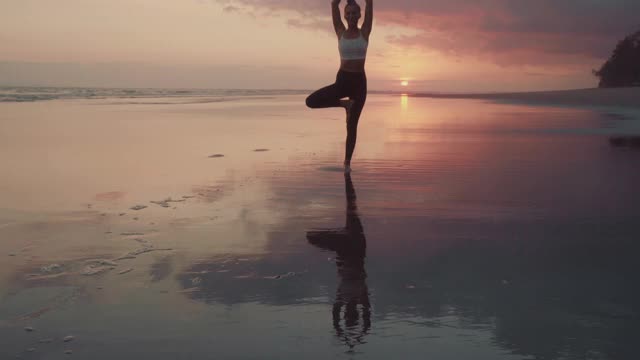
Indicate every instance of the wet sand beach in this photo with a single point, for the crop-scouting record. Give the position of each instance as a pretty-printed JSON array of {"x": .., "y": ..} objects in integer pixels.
[
  {"x": 177, "y": 228},
  {"x": 605, "y": 97}
]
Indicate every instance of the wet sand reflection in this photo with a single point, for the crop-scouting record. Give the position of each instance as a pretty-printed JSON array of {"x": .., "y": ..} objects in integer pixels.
[{"x": 352, "y": 293}]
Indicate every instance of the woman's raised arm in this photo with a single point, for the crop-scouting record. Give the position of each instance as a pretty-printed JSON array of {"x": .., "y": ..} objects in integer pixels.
[
  {"x": 368, "y": 19},
  {"x": 337, "y": 21}
]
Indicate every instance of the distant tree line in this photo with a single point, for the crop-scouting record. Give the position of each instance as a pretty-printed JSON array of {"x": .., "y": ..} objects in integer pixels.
[{"x": 623, "y": 67}]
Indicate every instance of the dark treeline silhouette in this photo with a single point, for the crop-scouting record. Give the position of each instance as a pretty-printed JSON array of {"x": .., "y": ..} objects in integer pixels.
[{"x": 623, "y": 67}]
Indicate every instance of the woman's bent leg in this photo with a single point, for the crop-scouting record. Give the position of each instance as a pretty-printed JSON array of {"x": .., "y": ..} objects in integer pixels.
[{"x": 328, "y": 96}]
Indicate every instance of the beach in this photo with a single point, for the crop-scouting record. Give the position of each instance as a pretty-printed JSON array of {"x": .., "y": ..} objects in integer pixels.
[{"x": 222, "y": 226}]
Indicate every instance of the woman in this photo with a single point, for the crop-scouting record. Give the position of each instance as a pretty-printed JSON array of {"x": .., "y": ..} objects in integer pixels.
[{"x": 351, "y": 80}]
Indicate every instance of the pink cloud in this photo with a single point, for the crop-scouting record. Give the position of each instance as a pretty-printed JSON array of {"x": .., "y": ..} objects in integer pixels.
[{"x": 508, "y": 32}]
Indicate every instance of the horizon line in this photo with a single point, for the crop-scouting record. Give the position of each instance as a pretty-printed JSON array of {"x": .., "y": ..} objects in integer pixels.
[{"x": 372, "y": 91}]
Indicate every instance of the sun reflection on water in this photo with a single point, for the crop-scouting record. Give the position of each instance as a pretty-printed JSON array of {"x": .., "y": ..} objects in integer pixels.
[{"x": 404, "y": 103}]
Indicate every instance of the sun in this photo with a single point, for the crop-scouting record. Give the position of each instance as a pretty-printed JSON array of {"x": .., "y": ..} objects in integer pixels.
[{"x": 404, "y": 83}]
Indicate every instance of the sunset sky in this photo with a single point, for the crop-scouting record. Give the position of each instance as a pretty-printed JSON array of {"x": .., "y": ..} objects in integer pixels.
[{"x": 434, "y": 45}]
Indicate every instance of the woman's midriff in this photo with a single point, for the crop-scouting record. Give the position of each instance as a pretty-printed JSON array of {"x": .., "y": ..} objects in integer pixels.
[{"x": 352, "y": 65}]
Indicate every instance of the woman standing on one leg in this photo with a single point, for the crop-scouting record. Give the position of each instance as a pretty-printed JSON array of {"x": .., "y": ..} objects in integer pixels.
[{"x": 351, "y": 80}]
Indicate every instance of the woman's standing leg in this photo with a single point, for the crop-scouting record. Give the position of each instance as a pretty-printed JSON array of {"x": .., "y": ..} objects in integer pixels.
[{"x": 359, "y": 98}]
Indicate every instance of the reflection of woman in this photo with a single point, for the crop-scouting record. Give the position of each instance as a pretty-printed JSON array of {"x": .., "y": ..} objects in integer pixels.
[
  {"x": 351, "y": 80},
  {"x": 350, "y": 245}
]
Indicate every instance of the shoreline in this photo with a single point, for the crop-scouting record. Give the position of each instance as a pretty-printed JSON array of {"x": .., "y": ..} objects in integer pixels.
[{"x": 628, "y": 97}]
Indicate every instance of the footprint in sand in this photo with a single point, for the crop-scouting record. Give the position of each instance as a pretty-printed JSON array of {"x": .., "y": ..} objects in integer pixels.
[
  {"x": 165, "y": 203},
  {"x": 216, "y": 156},
  {"x": 260, "y": 150}
]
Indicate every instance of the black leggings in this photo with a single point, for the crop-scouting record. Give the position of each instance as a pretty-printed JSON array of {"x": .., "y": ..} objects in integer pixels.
[{"x": 348, "y": 84}]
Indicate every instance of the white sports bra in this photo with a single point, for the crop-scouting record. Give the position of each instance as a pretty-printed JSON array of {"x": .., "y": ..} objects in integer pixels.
[{"x": 353, "y": 49}]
